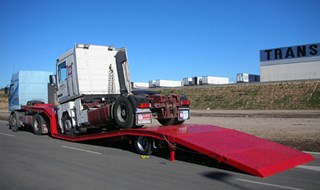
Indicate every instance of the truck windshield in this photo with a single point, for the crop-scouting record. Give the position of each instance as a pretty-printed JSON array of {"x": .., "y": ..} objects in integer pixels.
[{"x": 62, "y": 72}]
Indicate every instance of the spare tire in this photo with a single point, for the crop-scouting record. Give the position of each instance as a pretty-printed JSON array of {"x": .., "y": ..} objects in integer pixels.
[{"x": 123, "y": 113}]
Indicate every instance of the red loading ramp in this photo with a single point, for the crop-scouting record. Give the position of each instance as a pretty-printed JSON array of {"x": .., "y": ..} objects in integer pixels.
[
  {"x": 251, "y": 154},
  {"x": 256, "y": 156}
]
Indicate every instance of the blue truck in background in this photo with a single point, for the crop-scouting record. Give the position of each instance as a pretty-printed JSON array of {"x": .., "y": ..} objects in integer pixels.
[{"x": 26, "y": 86}]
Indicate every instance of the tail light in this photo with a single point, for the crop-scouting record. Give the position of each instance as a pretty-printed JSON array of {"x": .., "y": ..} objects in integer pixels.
[
  {"x": 185, "y": 102},
  {"x": 143, "y": 105}
]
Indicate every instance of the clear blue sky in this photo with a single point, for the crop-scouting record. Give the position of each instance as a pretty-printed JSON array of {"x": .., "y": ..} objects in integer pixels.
[{"x": 167, "y": 39}]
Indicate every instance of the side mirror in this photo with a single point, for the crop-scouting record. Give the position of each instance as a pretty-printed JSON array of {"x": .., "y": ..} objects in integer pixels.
[
  {"x": 10, "y": 90},
  {"x": 53, "y": 80},
  {"x": 6, "y": 90}
]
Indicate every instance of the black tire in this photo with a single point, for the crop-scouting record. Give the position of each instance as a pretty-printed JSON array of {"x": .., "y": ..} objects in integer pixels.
[
  {"x": 37, "y": 124},
  {"x": 10, "y": 121},
  {"x": 13, "y": 122},
  {"x": 166, "y": 122},
  {"x": 143, "y": 145},
  {"x": 67, "y": 125},
  {"x": 133, "y": 102},
  {"x": 123, "y": 113},
  {"x": 177, "y": 122},
  {"x": 137, "y": 126}
]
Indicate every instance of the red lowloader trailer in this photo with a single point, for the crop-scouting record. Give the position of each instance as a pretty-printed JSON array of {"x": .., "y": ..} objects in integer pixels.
[{"x": 256, "y": 156}]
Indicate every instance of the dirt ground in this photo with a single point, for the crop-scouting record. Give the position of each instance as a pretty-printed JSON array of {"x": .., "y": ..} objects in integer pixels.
[{"x": 298, "y": 129}]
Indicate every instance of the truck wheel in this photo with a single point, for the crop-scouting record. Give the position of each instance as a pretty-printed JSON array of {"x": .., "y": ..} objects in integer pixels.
[
  {"x": 137, "y": 126},
  {"x": 166, "y": 122},
  {"x": 177, "y": 122},
  {"x": 67, "y": 125},
  {"x": 37, "y": 124},
  {"x": 123, "y": 113},
  {"x": 134, "y": 103},
  {"x": 143, "y": 145},
  {"x": 13, "y": 122}
]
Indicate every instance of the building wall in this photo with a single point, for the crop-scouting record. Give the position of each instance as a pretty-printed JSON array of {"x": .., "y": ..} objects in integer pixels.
[
  {"x": 293, "y": 71},
  {"x": 290, "y": 63}
]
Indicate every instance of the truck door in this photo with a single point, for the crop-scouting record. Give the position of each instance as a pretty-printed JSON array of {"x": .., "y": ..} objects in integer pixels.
[
  {"x": 62, "y": 75},
  {"x": 66, "y": 80},
  {"x": 70, "y": 78}
]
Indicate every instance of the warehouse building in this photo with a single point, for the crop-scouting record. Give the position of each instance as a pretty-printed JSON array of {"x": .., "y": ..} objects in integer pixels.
[
  {"x": 164, "y": 83},
  {"x": 139, "y": 85},
  {"x": 246, "y": 77},
  {"x": 205, "y": 80},
  {"x": 192, "y": 81},
  {"x": 300, "y": 62}
]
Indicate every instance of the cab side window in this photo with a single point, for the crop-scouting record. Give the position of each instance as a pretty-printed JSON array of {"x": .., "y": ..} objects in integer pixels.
[{"x": 62, "y": 72}]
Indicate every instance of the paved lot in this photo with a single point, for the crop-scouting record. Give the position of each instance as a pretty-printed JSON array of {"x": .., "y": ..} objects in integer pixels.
[{"x": 35, "y": 162}]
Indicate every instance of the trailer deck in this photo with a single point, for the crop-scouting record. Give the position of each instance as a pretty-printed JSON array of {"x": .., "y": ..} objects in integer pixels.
[{"x": 256, "y": 156}]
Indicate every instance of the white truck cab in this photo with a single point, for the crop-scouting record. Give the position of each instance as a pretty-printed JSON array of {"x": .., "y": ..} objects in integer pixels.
[{"x": 90, "y": 80}]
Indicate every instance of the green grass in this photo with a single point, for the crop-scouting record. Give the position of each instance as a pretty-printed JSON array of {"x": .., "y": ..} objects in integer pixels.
[{"x": 262, "y": 96}]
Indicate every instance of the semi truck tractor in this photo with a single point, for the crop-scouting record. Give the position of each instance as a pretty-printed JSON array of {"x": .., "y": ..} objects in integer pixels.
[
  {"x": 27, "y": 88},
  {"x": 93, "y": 91}
]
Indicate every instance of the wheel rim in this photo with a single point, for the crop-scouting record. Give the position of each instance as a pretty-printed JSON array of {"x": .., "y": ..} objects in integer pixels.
[
  {"x": 36, "y": 125},
  {"x": 142, "y": 143},
  {"x": 13, "y": 121},
  {"x": 122, "y": 112},
  {"x": 67, "y": 125}
]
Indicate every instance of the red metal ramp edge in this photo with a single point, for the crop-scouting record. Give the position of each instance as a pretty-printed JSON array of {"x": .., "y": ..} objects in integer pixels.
[{"x": 248, "y": 153}]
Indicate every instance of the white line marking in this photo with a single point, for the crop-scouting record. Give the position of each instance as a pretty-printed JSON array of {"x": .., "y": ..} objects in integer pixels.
[
  {"x": 314, "y": 168},
  {"x": 73, "y": 148},
  {"x": 5, "y": 134},
  {"x": 268, "y": 184},
  {"x": 312, "y": 152}
]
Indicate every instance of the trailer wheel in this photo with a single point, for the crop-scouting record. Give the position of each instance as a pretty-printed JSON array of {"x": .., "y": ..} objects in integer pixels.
[
  {"x": 123, "y": 113},
  {"x": 165, "y": 122},
  {"x": 143, "y": 145},
  {"x": 13, "y": 122},
  {"x": 67, "y": 125}
]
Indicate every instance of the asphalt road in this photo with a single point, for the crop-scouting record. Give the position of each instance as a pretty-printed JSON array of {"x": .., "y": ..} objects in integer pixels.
[{"x": 35, "y": 162}]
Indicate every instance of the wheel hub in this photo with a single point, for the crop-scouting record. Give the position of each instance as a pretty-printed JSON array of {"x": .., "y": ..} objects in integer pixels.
[{"x": 67, "y": 125}]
